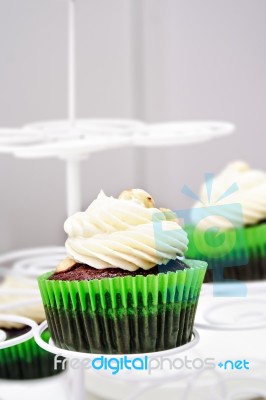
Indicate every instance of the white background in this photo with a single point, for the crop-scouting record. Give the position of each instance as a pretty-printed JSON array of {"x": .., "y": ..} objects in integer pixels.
[{"x": 151, "y": 59}]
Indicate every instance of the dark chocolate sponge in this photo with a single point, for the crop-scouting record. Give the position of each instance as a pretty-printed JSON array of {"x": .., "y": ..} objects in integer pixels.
[
  {"x": 81, "y": 272},
  {"x": 15, "y": 332}
]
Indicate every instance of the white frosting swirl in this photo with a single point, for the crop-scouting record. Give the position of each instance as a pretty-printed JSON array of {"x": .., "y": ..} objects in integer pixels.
[
  {"x": 123, "y": 234},
  {"x": 16, "y": 298},
  {"x": 251, "y": 195}
]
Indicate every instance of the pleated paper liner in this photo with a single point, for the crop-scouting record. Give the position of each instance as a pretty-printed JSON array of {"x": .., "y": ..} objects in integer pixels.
[
  {"x": 242, "y": 256},
  {"x": 27, "y": 361},
  {"x": 123, "y": 315}
]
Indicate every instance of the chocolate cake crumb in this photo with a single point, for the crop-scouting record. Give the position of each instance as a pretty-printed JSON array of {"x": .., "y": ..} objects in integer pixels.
[{"x": 81, "y": 272}]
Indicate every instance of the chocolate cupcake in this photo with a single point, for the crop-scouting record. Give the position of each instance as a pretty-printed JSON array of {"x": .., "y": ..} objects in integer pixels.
[
  {"x": 228, "y": 227},
  {"x": 25, "y": 360},
  {"x": 125, "y": 287}
]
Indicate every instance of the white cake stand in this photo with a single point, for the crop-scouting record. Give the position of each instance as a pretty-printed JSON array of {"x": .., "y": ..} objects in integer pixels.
[
  {"x": 143, "y": 382},
  {"x": 4, "y": 343},
  {"x": 229, "y": 313},
  {"x": 240, "y": 323},
  {"x": 73, "y": 140}
]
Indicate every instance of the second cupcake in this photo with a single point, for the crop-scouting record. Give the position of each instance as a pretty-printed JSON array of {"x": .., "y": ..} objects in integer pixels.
[{"x": 228, "y": 227}]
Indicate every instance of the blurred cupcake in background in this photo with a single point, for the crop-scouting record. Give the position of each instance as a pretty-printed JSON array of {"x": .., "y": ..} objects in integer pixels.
[
  {"x": 228, "y": 227},
  {"x": 125, "y": 286},
  {"x": 20, "y": 296},
  {"x": 26, "y": 360}
]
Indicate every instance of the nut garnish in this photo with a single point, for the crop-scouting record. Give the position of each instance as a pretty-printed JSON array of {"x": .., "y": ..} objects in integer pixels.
[
  {"x": 139, "y": 195},
  {"x": 65, "y": 264}
]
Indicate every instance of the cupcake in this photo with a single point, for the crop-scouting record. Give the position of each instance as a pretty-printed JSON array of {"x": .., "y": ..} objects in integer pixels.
[
  {"x": 21, "y": 297},
  {"x": 25, "y": 360},
  {"x": 125, "y": 287},
  {"x": 228, "y": 227}
]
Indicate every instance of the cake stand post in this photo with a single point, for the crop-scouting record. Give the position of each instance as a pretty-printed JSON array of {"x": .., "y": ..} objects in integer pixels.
[
  {"x": 73, "y": 185},
  {"x": 72, "y": 61},
  {"x": 73, "y": 165},
  {"x": 78, "y": 391}
]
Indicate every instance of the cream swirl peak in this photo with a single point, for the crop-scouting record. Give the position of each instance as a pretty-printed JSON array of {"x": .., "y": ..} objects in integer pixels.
[
  {"x": 123, "y": 233},
  {"x": 250, "y": 194}
]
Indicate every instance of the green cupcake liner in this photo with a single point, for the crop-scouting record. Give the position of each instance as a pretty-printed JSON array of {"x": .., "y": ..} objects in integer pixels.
[
  {"x": 241, "y": 256},
  {"x": 123, "y": 315},
  {"x": 27, "y": 361}
]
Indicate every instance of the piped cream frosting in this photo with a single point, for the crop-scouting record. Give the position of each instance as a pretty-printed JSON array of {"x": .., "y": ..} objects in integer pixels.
[
  {"x": 249, "y": 193},
  {"x": 16, "y": 298},
  {"x": 127, "y": 233}
]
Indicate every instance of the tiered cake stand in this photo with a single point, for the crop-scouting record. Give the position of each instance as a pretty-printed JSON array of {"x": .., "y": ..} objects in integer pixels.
[{"x": 73, "y": 140}]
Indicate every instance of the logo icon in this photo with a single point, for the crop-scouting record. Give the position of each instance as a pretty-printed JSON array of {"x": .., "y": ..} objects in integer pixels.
[{"x": 216, "y": 234}]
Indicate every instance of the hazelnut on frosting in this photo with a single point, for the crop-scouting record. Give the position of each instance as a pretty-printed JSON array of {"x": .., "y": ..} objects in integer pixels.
[
  {"x": 139, "y": 196},
  {"x": 145, "y": 199},
  {"x": 127, "y": 233}
]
